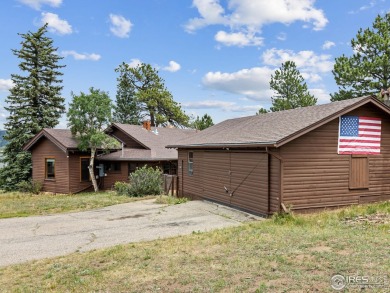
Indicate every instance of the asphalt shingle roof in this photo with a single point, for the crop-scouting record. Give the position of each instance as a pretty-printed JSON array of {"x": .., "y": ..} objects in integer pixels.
[
  {"x": 269, "y": 128},
  {"x": 155, "y": 143}
]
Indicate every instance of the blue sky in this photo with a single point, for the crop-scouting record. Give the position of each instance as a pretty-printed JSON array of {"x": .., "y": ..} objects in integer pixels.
[{"x": 216, "y": 56}]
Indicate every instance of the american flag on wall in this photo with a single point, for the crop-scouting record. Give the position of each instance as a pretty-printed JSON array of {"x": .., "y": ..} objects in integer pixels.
[{"x": 359, "y": 135}]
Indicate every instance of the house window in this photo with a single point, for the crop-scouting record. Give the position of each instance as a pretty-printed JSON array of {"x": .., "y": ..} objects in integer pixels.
[
  {"x": 190, "y": 163},
  {"x": 358, "y": 173},
  {"x": 50, "y": 169},
  {"x": 132, "y": 167},
  {"x": 170, "y": 168},
  {"x": 113, "y": 167},
  {"x": 84, "y": 163}
]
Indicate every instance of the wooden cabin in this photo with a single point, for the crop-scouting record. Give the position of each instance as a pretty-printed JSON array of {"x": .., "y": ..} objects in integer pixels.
[
  {"x": 63, "y": 168},
  {"x": 316, "y": 157}
]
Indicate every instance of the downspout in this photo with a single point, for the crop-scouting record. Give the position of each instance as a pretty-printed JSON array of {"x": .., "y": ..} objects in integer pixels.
[{"x": 122, "y": 150}]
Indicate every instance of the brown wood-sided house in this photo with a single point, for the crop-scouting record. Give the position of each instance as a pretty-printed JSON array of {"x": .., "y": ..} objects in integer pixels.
[
  {"x": 297, "y": 158},
  {"x": 63, "y": 168}
]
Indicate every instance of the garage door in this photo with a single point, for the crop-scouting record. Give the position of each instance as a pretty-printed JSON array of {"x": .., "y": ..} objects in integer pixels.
[{"x": 237, "y": 179}]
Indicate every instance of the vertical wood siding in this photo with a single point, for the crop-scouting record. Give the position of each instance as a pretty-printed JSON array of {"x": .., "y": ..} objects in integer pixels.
[
  {"x": 237, "y": 179},
  {"x": 315, "y": 176},
  {"x": 46, "y": 149}
]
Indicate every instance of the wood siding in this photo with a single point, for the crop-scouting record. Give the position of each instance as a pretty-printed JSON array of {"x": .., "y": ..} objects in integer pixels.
[
  {"x": 127, "y": 140},
  {"x": 115, "y": 176},
  {"x": 75, "y": 183},
  {"x": 274, "y": 183},
  {"x": 315, "y": 176},
  {"x": 237, "y": 179},
  {"x": 46, "y": 149}
]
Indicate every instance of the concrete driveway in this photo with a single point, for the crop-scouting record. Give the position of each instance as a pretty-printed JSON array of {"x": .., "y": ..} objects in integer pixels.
[{"x": 24, "y": 239}]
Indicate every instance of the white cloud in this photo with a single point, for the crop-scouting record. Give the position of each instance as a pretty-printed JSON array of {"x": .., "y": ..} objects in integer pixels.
[
  {"x": 83, "y": 56},
  {"x": 36, "y": 4},
  {"x": 328, "y": 44},
  {"x": 55, "y": 24},
  {"x": 245, "y": 16},
  {"x": 173, "y": 67},
  {"x": 223, "y": 105},
  {"x": 6, "y": 84},
  {"x": 370, "y": 5},
  {"x": 252, "y": 83},
  {"x": 308, "y": 62},
  {"x": 321, "y": 94},
  {"x": 281, "y": 36},
  {"x": 134, "y": 63},
  {"x": 120, "y": 26},
  {"x": 211, "y": 12},
  {"x": 239, "y": 39}
]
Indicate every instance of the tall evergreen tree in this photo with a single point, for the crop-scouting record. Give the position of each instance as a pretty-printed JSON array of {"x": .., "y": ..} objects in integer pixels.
[
  {"x": 290, "y": 89},
  {"x": 202, "y": 123},
  {"x": 367, "y": 71},
  {"x": 126, "y": 109},
  {"x": 33, "y": 103},
  {"x": 152, "y": 98}
]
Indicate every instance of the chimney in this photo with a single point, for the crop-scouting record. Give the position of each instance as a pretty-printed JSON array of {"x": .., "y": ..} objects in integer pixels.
[
  {"x": 146, "y": 125},
  {"x": 386, "y": 96}
]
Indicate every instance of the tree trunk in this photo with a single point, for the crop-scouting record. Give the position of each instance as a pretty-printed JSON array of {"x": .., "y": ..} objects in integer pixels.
[{"x": 91, "y": 172}]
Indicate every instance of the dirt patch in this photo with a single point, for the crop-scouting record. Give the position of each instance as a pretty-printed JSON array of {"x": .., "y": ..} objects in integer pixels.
[
  {"x": 321, "y": 249},
  {"x": 383, "y": 218}
]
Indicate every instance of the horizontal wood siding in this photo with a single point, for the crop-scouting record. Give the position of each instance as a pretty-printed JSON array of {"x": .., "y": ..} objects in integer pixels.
[
  {"x": 315, "y": 176},
  {"x": 128, "y": 141},
  {"x": 189, "y": 186},
  {"x": 76, "y": 185},
  {"x": 275, "y": 183},
  {"x": 115, "y": 176},
  {"x": 123, "y": 175},
  {"x": 46, "y": 149}
]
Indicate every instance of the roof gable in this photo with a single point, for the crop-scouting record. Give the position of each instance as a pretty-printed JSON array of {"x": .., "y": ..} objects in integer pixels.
[
  {"x": 276, "y": 128},
  {"x": 62, "y": 138}
]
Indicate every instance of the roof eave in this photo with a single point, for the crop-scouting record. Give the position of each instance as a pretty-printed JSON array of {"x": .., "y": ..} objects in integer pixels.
[{"x": 223, "y": 145}]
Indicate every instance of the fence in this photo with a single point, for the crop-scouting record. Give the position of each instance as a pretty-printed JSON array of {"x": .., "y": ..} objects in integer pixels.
[{"x": 171, "y": 184}]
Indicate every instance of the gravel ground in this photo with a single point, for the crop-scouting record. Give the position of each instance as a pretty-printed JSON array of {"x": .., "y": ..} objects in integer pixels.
[{"x": 38, "y": 237}]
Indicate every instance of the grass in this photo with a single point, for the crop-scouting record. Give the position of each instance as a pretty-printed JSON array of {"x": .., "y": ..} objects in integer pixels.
[
  {"x": 17, "y": 204},
  {"x": 293, "y": 253},
  {"x": 170, "y": 200}
]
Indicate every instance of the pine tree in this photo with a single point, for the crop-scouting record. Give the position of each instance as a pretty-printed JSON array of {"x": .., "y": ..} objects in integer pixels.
[
  {"x": 33, "y": 103},
  {"x": 153, "y": 100},
  {"x": 290, "y": 89},
  {"x": 202, "y": 123},
  {"x": 367, "y": 71},
  {"x": 126, "y": 109}
]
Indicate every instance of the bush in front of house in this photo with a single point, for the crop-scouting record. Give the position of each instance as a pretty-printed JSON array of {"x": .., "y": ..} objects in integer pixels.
[
  {"x": 143, "y": 181},
  {"x": 121, "y": 188},
  {"x": 146, "y": 181},
  {"x": 30, "y": 186}
]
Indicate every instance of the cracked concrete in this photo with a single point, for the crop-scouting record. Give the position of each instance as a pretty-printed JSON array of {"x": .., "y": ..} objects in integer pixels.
[{"x": 37, "y": 237}]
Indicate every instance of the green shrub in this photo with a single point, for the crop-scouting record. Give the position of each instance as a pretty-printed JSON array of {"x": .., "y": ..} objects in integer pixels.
[
  {"x": 145, "y": 181},
  {"x": 121, "y": 188},
  {"x": 30, "y": 186}
]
